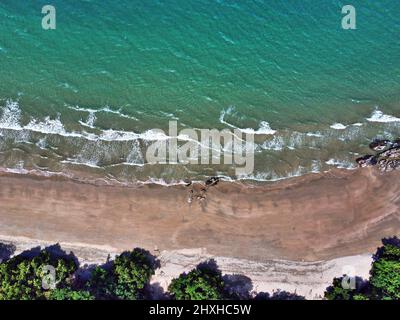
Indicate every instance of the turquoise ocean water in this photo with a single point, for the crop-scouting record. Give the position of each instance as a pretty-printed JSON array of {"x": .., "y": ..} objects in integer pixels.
[{"x": 82, "y": 99}]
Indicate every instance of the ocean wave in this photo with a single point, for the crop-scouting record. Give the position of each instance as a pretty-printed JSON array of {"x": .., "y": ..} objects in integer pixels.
[
  {"x": 103, "y": 156},
  {"x": 105, "y": 109},
  {"x": 162, "y": 182},
  {"x": 379, "y": 116},
  {"x": 48, "y": 126},
  {"x": 314, "y": 134},
  {"x": 273, "y": 176},
  {"x": 341, "y": 164},
  {"x": 87, "y": 163},
  {"x": 91, "y": 119},
  {"x": 338, "y": 126},
  {"x": 10, "y": 119},
  {"x": 43, "y": 173},
  {"x": 264, "y": 127},
  {"x": 276, "y": 144}
]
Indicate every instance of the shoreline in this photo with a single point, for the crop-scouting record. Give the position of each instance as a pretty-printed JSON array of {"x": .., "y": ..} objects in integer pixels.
[{"x": 309, "y": 218}]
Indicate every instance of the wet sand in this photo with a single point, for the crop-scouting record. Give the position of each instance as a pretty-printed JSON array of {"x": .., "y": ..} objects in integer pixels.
[{"x": 314, "y": 217}]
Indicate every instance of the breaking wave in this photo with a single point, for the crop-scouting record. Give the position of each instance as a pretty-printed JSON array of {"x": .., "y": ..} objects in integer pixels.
[
  {"x": 118, "y": 150},
  {"x": 379, "y": 116}
]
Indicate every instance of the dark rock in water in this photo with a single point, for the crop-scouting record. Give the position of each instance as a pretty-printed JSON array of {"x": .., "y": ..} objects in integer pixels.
[
  {"x": 386, "y": 160},
  {"x": 212, "y": 181},
  {"x": 389, "y": 160},
  {"x": 367, "y": 161},
  {"x": 379, "y": 145},
  {"x": 396, "y": 143}
]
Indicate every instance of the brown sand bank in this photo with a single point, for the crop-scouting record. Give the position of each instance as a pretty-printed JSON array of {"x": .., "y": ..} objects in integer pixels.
[{"x": 314, "y": 217}]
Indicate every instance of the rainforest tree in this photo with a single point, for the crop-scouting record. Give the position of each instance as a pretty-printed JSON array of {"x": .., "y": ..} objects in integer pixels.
[
  {"x": 202, "y": 283},
  {"x": 126, "y": 279},
  {"x": 26, "y": 278}
]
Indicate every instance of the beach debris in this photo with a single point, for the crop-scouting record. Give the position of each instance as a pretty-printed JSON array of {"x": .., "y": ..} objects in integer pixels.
[
  {"x": 212, "y": 181},
  {"x": 386, "y": 160},
  {"x": 202, "y": 194}
]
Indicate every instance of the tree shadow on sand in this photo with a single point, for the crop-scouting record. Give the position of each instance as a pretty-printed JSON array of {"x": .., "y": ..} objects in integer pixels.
[
  {"x": 6, "y": 251},
  {"x": 237, "y": 286},
  {"x": 155, "y": 291},
  {"x": 240, "y": 287},
  {"x": 278, "y": 295},
  {"x": 55, "y": 251}
]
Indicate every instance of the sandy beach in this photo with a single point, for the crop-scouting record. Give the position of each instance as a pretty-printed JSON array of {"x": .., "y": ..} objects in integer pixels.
[{"x": 310, "y": 218}]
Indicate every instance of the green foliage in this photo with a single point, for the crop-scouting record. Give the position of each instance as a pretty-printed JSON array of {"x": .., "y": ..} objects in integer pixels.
[
  {"x": 384, "y": 281},
  {"x": 70, "y": 294},
  {"x": 390, "y": 251},
  {"x": 337, "y": 292},
  {"x": 101, "y": 283},
  {"x": 21, "y": 277},
  {"x": 385, "y": 273},
  {"x": 198, "y": 284},
  {"x": 126, "y": 279}
]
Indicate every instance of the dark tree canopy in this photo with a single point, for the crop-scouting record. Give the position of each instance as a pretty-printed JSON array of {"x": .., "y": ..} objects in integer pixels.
[
  {"x": 385, "y": 273},
  {"x": 202, "y": 283},
  {"x": 21, "y": 277},
  {"x": 125, "y": 279}
]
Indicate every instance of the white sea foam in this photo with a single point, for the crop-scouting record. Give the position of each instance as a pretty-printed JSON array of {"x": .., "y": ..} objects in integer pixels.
[
  {"x": 92, "y": 164},
  {"x": 264, "y": 127},
  {"x": 273, "y": 176},
  {"x": 341, "y": 164},
  {"x": 162, "y": 182},
  {"x": 48, "y": 126},
  {"x": 10, "y": 119},
  {"x": 276, "y": 144},
  {"x": 338, "y": 126},
  {"x": 11, "y": 116},
  {"x": 105, "y": 109},
  {"x": 22, "y": 171},
  {"x": 379, "y": 116},
  {"x": 135, "y": 156},
  {"x": 315, "y": 166},
  {"x": 89, "y": 121},
  {"x": 42, "y": 144},
  {"x": 314, "y": 134}
]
